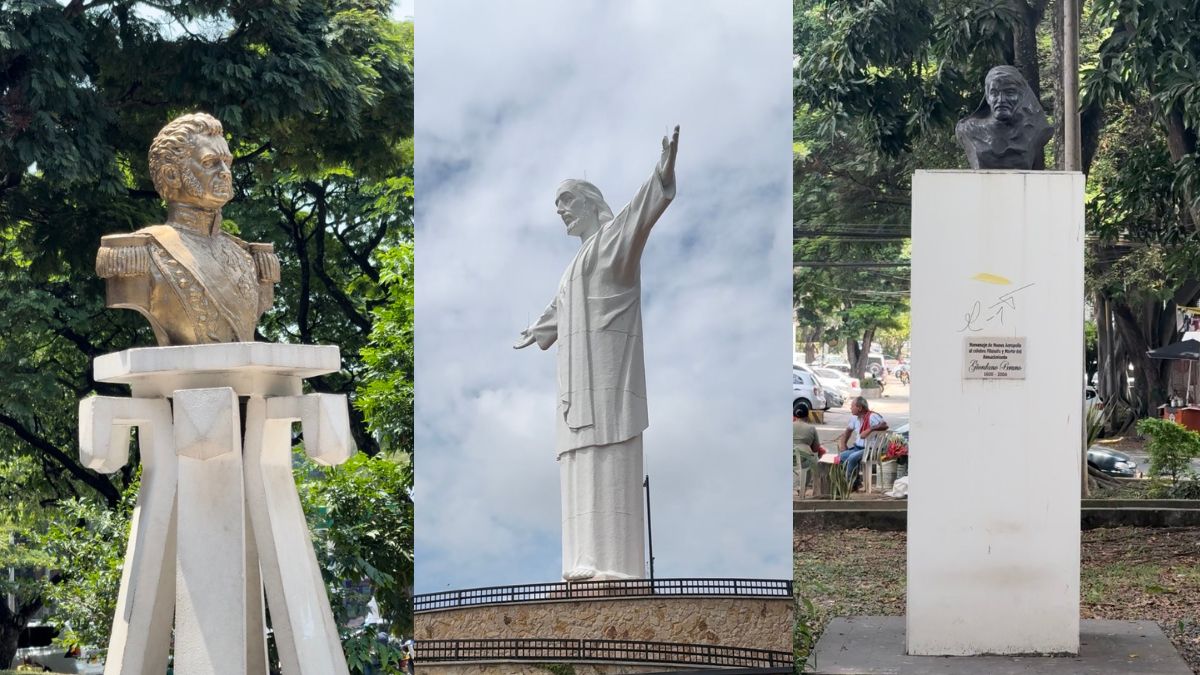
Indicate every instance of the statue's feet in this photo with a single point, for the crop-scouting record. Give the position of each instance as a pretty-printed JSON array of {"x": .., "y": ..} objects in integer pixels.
[{"x": 579, "y": 574}]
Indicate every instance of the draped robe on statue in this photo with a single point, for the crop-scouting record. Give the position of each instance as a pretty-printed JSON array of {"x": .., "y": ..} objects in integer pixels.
[{"x": 596, "y": 319}]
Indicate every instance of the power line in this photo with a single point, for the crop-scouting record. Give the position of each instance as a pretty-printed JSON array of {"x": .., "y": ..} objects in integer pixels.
[
  {"x": 857, "y": 264},
  {"x": 864, "y": 238},
  {"x": 883, "y": 291}
]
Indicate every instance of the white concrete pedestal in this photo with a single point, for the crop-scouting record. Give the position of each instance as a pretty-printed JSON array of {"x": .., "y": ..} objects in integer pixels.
[
  {"x": 218, "y": 517},
  {"x": 993, "y": 514}
]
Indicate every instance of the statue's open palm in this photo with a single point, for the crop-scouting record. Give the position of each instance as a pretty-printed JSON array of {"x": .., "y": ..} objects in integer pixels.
[{"x": 666, "y": 164}]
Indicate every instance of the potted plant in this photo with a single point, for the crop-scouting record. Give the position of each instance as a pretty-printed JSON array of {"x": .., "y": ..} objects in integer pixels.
[{"x": 895, "y": 452}]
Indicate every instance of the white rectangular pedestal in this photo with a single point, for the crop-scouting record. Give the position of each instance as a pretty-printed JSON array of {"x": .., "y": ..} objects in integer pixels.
[{"x": 993, "y": 514}]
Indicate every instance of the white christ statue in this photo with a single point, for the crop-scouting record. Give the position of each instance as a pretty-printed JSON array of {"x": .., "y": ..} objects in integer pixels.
[{"x": 596, "y": 319}]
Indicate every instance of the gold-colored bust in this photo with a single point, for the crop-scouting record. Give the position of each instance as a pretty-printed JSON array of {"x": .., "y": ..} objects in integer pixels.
[{"x": 194, "y": 282}]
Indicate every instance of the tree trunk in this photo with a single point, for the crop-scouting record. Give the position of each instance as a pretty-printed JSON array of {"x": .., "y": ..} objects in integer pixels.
[
  {"x": 8, "y": 642},
  {"x": 1181, "y": 142},
  {"x": 811, "y": 337},
  {"x": 12, "y": 622},
  {"x": 1056, "y": 78},
  {"x": 1094, "y": 476},
  {"x": 858, "y": 356},
  {"x": 1025, "y": 52},
  {"x": 1025, "y": 55},
  {"x": 1138, "y": 337},
  {"x": 1112, "y": 378}
]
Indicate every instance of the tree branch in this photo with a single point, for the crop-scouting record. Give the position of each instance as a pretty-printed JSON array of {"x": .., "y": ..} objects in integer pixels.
[
  {"x": 260, "y": 150},
  {"x": 93, "y": 480},
  {"x": 362, "y": 260},
  {"x": 294, "y": 229},
  {"x": 335, "y": 291}
]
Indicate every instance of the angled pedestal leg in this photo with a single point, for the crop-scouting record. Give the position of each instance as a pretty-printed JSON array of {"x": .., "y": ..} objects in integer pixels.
[
  {"x": 305, "y": 633},
  {"x": 141, "y": 629},
  {"x": 256, "y": 617},
  {"x": 210, "y": 599}
]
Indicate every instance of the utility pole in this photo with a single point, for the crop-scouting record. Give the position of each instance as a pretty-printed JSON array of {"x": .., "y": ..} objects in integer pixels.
[
  {"x": 1072, "y": 153},
  {"x": 649, "y": 530}
]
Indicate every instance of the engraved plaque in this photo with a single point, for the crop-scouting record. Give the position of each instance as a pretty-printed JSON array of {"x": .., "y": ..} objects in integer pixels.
[{"x": 994, "y": 358}]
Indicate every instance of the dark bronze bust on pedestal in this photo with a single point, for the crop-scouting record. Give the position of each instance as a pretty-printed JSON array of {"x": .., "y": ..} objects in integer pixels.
[
  {"x": 1009, "y": 128},
  {"x": 195, "y": 283}
]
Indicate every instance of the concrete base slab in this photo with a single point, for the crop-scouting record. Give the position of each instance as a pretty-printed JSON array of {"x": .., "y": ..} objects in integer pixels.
[{"x": 874, "y": 645}]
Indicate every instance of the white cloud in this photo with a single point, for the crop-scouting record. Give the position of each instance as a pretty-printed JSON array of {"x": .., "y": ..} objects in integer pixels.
[{"x": 511, "y": 99}]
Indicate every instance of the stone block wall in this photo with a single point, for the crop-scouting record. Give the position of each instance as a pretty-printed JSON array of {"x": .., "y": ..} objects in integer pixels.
[
  {"x": 514, "y": 668},
  {"x": 756, "y": 623}
]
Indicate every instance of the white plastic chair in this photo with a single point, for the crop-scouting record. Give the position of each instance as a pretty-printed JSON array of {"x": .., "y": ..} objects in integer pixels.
[{"x": 870, "y": 464}]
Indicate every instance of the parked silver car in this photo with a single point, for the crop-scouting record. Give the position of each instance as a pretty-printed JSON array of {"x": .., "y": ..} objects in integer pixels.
[
  {"x": 847, "y": 387},
  {"x": 807, "y": 388}
]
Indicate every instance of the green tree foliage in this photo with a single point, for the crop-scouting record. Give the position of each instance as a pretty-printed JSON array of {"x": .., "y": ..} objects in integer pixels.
[
  {"x": 879, "y": 86},
  {"x": 386, "y": 399},
  {"x": 855, "y": 303},
  {"x": 859, "y": 108},
  {"x": 1171, "y": 446},
  {"x": 896, "y": 70},
  {"x": 316, "y": 97},
  {"x": 86, "y": 548},
  {"x": 1142, "y": 89},
  {"x": 22, "y": 517},
  {"x": 361, "y": 517},
  {"x": 892, "y": 339}
]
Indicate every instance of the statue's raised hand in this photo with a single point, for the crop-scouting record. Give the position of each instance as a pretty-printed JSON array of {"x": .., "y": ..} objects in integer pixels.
[
  {"x": 666, "y": 164},
  {"x": 524, "y": 341}
]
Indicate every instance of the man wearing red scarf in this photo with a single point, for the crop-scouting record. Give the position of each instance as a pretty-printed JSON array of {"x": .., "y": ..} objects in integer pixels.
[{"x": 863, "y": 422}]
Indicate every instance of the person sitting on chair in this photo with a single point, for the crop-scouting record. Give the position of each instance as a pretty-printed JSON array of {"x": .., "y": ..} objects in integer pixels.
[
  {"x": 863, "y": 422},
  {"x": 806, "y": 444}
]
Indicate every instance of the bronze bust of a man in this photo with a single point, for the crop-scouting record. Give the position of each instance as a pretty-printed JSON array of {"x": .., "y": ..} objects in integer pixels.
[
  {"x": 195, "y": 283},
  {"x": 1009, "y": 128}
]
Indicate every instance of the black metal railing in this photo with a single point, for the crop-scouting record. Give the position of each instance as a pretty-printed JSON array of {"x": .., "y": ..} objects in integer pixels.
[
  {"x": 626, "y": 588},
  {"x": 550, "y": 649}
]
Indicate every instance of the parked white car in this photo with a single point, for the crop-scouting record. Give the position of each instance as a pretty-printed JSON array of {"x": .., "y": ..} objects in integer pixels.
[
  {"x": 807, "y": 388},
  {"x": 56, "y": 659},
  {"x": 877, "y": 365},
  {"x": 840, "y": 382}
]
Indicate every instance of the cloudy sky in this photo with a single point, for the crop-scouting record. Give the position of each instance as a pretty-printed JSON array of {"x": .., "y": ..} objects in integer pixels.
[
  {"x": 513, "y": 97},
  {"x": 403, "y": 10}
]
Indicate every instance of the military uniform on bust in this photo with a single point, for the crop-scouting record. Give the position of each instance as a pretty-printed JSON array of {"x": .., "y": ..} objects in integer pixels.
[
  {"x": 195, "y": 283},
  {"x": 163, "y": 273}
]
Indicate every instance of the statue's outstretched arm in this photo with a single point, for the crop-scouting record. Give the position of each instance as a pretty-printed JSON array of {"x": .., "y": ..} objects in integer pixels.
[
  {"x": 631, "y": 228},
  {"x": 544, "y": 331}
]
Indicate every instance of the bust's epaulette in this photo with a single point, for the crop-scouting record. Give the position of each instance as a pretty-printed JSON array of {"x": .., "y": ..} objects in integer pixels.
[
  {"x": 123, "y": 255},
  {"x": 265, "y": 261}
]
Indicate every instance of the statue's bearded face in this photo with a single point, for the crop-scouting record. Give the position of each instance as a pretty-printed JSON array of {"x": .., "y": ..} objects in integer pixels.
[
  {"x": 204, "y": 173},
  {"x": 1003, "y": 95},
  {"x": 578, "y": 213}
]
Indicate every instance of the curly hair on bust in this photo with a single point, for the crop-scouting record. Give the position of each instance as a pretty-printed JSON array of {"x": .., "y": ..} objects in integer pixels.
[{"x": 173, "y": 143}]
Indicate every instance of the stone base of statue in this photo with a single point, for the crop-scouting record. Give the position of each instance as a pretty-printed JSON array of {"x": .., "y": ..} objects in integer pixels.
[
  {"x": 603, "y": 627},
  {"x": 997, "y": 317},
  {"x": 218, "y": 518},
  {"x": 874, "y": 645}
]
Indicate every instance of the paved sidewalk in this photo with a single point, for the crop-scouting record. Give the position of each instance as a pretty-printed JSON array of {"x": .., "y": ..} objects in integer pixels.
[{"x": 874, "y": 645}]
